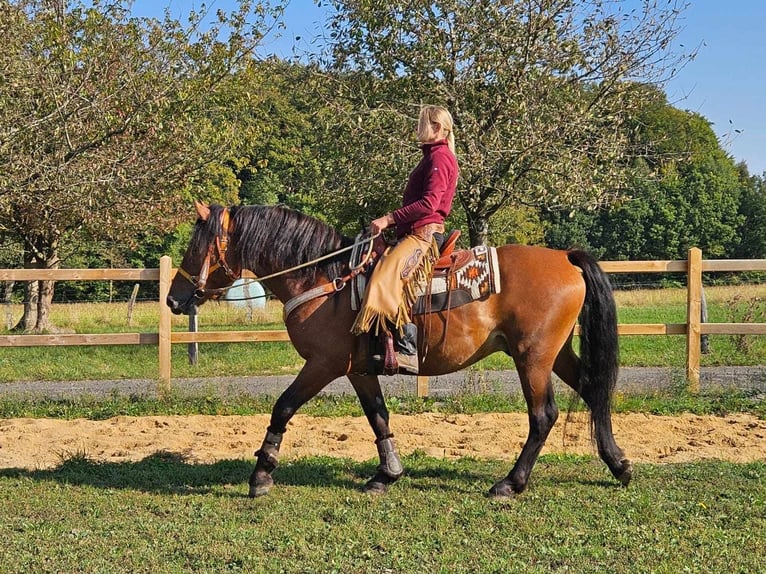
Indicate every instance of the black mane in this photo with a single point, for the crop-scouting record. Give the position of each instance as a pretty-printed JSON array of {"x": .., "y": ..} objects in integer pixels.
[{"x": 277, "y": 238}]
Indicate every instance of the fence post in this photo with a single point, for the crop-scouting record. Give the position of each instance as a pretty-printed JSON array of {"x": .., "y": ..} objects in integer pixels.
[
  {"x": 132, "y": 303},
  {"x": 166, "y": 268},
  {"x": 422, "y": 386},
  {"x": 704, "y": 338},
  {"x": 693, "y": 319}
]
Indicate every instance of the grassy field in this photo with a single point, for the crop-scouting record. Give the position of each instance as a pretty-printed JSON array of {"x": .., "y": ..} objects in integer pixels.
[
  {"x": 164, "y": 515},
  {"x": 726, "y": 304}
]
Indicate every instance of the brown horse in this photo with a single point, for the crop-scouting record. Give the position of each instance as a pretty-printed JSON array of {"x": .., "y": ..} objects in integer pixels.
[{"x": 532, "y": 319}]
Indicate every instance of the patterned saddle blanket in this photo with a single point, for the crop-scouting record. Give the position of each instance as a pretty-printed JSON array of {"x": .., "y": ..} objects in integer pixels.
[{"x": 469, "y": 275}]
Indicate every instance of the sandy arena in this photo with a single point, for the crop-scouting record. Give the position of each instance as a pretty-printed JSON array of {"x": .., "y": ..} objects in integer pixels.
[{"x": 44, "y": 443}]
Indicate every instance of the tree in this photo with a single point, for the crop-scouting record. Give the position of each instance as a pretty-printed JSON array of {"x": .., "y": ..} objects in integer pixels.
[
  {"x": 540, "y": 91},
  {"x": 106, "y": 120},
  {"x": 753, "y": 210},
  {"x": 284, "y": 163},
  {"x": 685, "y": 192}
]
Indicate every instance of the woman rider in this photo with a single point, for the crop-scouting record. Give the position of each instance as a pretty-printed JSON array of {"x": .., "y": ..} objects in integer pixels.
[{"x": 419, "y": 223}]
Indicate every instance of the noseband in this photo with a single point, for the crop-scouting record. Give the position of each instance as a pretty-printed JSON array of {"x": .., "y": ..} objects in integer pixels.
[{"x": 217, "y": 254}]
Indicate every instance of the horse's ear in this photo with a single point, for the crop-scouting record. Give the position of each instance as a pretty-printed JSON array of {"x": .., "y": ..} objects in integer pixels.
[{"x": 203, "y": 210}]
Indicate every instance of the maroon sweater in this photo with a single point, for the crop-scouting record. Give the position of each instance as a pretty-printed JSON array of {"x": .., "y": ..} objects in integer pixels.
[{"x": 430, "y": 189}]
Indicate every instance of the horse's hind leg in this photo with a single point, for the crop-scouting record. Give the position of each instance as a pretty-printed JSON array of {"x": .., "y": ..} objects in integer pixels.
[
  {"x": 567, "y": 367},
  {"x": 371, "y": 397},
  {"x": 311, "y": 379},
  {"x": 542, "y": 412}
]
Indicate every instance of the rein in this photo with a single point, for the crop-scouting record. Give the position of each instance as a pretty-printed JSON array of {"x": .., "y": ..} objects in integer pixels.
[
  {"x": 322, "y": 258},
  {"x": 221, "y": 245},
  {"x": 336, "y": 284}
]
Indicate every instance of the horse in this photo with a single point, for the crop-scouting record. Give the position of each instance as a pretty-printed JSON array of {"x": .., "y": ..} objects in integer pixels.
[{"x": 302, "y": 261}]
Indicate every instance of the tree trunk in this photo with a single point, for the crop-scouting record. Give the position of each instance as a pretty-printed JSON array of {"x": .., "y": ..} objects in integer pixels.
[
  {"x": 478, "y": 229},
  {"x": 44, "y": 302},
  {"x": 38, "y": 294},
  {"x": 7, "y": 300},
  {"x": 29, "y": 317}
]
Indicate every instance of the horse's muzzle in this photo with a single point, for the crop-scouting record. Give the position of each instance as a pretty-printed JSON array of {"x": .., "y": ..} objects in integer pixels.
[{"x": 176, "y": 307}]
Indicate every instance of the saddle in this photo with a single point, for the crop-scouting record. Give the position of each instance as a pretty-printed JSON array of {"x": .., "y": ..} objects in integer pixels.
[
  {"x": 446, "y": 249},
  {"x": 458, "y": 277}
]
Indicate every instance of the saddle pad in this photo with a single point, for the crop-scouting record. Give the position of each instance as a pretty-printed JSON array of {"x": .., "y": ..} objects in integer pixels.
[{"x": 476, "y": 278}]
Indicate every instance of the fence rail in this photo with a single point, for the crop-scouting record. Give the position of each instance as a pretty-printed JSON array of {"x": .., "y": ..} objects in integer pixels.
[{"x": 693, "y": 328}]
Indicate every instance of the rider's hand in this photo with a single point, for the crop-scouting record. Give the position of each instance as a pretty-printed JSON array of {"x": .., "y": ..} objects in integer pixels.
[{"x": 381, "y": 223}]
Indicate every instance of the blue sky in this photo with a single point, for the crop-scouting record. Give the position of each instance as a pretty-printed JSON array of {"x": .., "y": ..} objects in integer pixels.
[{"x": 726, "y": 82}]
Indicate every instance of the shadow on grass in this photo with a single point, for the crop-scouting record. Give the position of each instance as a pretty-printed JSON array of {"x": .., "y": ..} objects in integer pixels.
[
  {"x": 163, "y": 472},
  {"x": 171, "y": 473}
]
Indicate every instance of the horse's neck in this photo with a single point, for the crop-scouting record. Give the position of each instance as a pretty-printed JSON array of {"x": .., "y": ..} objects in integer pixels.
[
  {"x": 280, "y": 287},
  {"x": 286, "y": 288}
]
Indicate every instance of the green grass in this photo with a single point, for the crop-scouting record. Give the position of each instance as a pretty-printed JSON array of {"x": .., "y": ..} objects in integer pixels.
[
  {"x": 141, "y": 362},
  {"x": 166, "y": 515}
]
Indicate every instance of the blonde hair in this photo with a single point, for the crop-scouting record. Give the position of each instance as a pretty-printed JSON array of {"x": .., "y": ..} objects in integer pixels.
[{"x": 435, "y": 114}]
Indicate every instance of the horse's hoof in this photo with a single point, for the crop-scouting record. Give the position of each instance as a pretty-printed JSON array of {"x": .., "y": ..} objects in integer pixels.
[
  {"x": 260, "y": 486},
  {"x": 375, "y": 487},
  {"x": 627, "y": 472},
  {"x": 501, "y": 489},
  {"x": 379, "y": 483}
]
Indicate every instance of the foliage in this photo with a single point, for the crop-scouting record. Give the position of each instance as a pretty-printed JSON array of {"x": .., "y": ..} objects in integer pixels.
[
  {"x": 685, "y": 192},
  {"x": 540, "y": 93},
  {"x": 284, "y": 161},
  {"x": 752, "y": 208}
]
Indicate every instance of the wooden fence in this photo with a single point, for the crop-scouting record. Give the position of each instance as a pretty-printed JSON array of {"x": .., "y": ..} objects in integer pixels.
[{"x": 693, "y": 328}]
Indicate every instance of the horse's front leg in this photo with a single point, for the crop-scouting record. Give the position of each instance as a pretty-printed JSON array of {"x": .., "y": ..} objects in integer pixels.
[
  {"x": 374, "y": 405},
  {"x": 312, "y": 378}
]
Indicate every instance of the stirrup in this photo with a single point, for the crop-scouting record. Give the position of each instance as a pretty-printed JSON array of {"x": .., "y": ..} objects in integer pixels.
[{"x": 407, "y": 363}]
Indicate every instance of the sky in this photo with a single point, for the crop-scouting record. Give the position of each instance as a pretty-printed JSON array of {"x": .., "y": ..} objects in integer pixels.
[{"x": 725, "y": 83}]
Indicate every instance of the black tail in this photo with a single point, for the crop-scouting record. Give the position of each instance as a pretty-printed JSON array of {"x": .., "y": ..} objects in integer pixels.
[{"x": 599, "y": 347}]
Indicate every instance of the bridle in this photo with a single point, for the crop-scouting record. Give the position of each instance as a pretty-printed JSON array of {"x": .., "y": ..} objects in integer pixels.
[{"x": 217, "y": 255}]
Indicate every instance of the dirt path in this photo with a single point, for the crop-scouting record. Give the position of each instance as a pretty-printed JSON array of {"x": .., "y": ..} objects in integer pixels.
[{"x": 43, "y": 443}]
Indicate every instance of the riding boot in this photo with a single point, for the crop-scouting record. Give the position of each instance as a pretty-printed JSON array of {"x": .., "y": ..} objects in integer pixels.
[{"x": 406, "y": 347}]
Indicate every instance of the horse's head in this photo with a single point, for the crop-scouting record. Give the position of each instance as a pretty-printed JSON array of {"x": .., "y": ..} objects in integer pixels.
[{"x": 204, "y": 272}]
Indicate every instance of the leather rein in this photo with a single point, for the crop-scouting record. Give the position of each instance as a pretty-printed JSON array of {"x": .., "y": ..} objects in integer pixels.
[{"x": 218, "y": 250}]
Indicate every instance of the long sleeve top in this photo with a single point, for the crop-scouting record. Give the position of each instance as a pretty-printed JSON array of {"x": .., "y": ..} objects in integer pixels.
[{"x": 430, "y": 189}]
